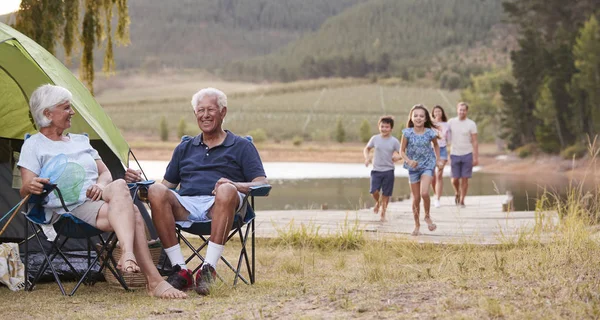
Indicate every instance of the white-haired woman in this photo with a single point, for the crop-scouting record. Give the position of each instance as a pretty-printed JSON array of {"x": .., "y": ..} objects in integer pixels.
[{"x": 98, "y": 200}]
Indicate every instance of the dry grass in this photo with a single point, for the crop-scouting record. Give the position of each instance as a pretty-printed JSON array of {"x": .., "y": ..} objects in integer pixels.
[{"x": 313, "y": 277}]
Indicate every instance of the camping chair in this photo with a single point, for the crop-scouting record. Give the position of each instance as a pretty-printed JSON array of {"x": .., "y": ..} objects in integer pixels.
[
  {"x": 243, "y": 227},
  {"x": 67, "y": 227}
]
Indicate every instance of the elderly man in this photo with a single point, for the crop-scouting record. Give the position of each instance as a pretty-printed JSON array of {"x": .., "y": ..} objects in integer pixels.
[
  {"x": 214, "y": 171},
  {"x": 464, "y": 154}
]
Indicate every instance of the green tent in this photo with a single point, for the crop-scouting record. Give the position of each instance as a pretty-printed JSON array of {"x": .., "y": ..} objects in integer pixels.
[{"x": 24, "y": 66}]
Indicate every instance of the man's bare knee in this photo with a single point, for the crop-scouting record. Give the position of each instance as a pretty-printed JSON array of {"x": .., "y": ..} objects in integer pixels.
[
  {"x": 157, "y": 192},
  {"x": 227, "y": 195}
]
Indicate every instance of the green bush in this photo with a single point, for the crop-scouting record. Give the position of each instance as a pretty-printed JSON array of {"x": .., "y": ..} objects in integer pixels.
[
  {"x": 297, "y": 140},
  {"x": 365, "y": 131},
  {"x": 181, "y": 128},
  {"x": 163, "y": 129},
  {"x": 258, "y": 135},
  {"x": 525, "y": 151},
  {"x": 576, "y": 151},
  {"x": 340, "y": 133}
]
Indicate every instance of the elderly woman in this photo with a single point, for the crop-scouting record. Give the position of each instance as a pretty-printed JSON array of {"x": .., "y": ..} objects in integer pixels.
[{"x": 102, "y": 202}]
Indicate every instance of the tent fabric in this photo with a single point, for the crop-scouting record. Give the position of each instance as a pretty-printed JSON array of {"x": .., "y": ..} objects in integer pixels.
[{"x": 24, "y": 66}]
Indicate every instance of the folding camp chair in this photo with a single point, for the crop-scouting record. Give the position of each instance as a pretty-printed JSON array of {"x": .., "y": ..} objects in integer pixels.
[
  {"x": 243, "y": 227},
  {"x": 67, "y": 227}
]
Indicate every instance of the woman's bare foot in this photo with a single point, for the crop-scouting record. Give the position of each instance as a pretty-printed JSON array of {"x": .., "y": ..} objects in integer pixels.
[
  {"x": 128, "y": 263},
  {"x": 416, "y": 232},
  {"x": 430, "y": 225},
  {"x": 164, "y": 290}
]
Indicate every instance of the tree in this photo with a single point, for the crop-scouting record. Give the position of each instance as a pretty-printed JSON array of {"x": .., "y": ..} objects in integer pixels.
[
  {"x": 163, "y": 129},
  {"x": 181, "y": 128},
  {"x": 484, "y": 96},
  {"x": 340, "y": 133},
  {"x": 585, "y": 85},
  {"x": 48, "y": 21},
  {"x": 365, "y": 131}
]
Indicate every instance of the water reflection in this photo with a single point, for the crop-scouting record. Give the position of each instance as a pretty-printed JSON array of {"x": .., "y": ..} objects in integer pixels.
[{"x": 352, "y": 193}]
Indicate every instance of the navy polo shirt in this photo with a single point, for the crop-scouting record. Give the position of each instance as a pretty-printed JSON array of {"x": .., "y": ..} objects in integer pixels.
[{"x": 197, "y": 168}]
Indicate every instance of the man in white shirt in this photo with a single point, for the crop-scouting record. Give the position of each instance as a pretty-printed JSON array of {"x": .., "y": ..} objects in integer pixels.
[{"x": 464, "y": 154}]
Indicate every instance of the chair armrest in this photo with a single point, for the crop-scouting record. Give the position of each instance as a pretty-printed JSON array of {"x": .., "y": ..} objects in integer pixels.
[{"x": 260, "y": 191}]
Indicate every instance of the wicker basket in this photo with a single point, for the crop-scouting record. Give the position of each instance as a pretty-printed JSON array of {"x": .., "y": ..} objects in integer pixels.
[{"x": 133, "y": 280}]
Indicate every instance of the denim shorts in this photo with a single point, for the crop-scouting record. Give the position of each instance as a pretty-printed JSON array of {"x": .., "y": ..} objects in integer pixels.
[
  {"x": 443, "y": 153},
  {"x": 414, "y": 175}
]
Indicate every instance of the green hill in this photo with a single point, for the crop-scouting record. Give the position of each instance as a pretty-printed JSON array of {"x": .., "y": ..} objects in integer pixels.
[
  {"x": 211, "y": 33},
  {"x": 383, "y": 36}
]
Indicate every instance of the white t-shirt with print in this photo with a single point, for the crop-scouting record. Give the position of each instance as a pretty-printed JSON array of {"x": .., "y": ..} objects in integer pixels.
[
  {"x": 460, "y": 132},
  {"x": 38, "y": 150}
]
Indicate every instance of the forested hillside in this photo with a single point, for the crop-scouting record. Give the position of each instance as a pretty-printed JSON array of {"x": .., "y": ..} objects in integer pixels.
[{"x": 383, "y": 37}]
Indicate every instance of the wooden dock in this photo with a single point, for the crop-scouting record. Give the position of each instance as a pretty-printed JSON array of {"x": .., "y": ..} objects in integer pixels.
[{"x": 482, "y": 221}]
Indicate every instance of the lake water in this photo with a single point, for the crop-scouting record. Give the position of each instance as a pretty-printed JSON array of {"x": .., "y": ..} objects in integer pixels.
[{"x": 346, "y": 185}]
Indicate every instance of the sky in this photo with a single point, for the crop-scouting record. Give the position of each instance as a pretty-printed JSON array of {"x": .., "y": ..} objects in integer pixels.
[{"x": 7, "y": 6}]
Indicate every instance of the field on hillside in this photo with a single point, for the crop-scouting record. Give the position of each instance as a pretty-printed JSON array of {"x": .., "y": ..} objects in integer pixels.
[{"x": 282, "y": 111}]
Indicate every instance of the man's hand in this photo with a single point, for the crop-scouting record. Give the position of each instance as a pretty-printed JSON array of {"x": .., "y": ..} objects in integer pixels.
[
  {"x": 367, "y": 162},
  {"x": 396, "y": 158},
  {"x": 36, "y": 186},
  {"x": 475, "y": 161},
  {"x": 223, "y": 181},
  {"x": 132, "y": 175},
  {"x": 94, "y": 192}
]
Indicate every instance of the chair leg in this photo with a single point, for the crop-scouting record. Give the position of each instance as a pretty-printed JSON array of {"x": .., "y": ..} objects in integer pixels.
[
  {"x": 243, "y": 256},
  {"x": 110, "y": 247},
  {"x": 26, "y": 255},
  {"x": 47, "y": 262},
  {"x": 252, "y": 277}
]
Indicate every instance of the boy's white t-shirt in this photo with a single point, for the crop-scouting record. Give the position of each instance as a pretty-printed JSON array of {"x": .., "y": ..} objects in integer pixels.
[
  {"x": 38, "y": 150},
  {"x": 460, "y": 132}
]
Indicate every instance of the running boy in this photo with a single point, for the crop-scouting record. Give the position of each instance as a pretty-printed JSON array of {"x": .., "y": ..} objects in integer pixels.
[
  {"x": 420, "y": 160},
  {"x": 387, "y": 152}
]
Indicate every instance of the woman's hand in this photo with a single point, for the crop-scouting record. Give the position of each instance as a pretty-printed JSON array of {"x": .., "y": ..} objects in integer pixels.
[
  {"x": 36, "y": 186},
  {"x": 94, "y": 192},
  {"x": 440, "y": 164},
  {"x": 412, "y": 163}
]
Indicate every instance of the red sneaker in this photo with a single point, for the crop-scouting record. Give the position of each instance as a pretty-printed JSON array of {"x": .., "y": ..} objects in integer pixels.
[
  {"x": 181, "y": 279},
  {"x": 204, "y": 278}
]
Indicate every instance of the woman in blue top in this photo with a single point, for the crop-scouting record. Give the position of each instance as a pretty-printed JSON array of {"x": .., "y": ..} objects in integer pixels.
[{"x": 420, "y": 159}]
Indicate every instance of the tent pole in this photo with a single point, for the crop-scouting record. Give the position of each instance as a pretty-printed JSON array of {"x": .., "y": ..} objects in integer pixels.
[{"x": 14, "y": 213}]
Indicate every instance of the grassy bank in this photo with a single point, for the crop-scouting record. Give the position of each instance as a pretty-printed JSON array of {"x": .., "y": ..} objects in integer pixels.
[{"x": 548, "y": 272}]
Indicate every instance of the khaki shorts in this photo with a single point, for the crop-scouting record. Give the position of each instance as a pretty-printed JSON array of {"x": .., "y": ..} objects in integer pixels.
[{"x": 88, "y": 211}]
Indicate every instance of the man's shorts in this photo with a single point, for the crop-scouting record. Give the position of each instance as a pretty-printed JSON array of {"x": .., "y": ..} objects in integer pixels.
[
  {"x": 414, "y": 176},
  {"x": 199, "y": 206},
  {"x": 384, "y": 181},
  {"x": 462, "y": 166},
  {"x": 443, "y": 153}
]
